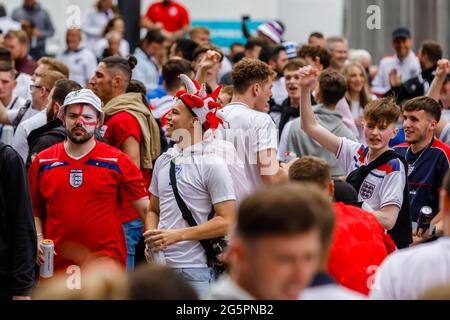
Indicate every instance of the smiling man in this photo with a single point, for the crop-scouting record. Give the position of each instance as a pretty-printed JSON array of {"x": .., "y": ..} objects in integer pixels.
[
  {"x": 403, "y": 63},
  {"x": 77, "y": 186},
  {"x": 427, "y": 157},
  {"x": 203, "y": 183}
]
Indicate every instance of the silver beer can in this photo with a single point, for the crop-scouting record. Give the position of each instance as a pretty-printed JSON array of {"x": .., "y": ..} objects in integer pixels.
[
  {"x": 158, "y": 257},
  {"x": 48, "y": 247}
]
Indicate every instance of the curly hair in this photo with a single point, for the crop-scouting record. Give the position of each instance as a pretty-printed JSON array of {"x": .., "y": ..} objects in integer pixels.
[{"x": 249, "y": 71}]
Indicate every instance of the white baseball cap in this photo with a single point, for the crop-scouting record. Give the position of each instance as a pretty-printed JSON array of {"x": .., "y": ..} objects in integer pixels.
[{"x": 84, "y": 96}]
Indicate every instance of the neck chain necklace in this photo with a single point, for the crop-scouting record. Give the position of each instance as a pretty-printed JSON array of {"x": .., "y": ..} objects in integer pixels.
[{"x": 412, "y": 165}]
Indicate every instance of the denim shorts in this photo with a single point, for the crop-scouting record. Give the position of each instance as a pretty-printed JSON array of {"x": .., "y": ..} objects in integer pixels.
[
  {"x": 199, "y": 278},
  {"x": 133, "y": 232}
]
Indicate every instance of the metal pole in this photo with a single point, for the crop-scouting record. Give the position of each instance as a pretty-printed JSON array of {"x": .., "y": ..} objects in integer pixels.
[{"x": 131, "y": 12}]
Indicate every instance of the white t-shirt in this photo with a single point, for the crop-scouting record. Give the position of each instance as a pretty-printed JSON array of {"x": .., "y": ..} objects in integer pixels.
[
  {"x": 383, "y": 186},
  {"x": 226, "y": 151},
  {"x": 203, "y": 180},
  {"x": 12, "y": 114},
  {"x": 408, "y": 273},
  {"x": 249, "y": 131},
  {"x": 20, "y": 142},
  {"x": 22, "y": 88}
]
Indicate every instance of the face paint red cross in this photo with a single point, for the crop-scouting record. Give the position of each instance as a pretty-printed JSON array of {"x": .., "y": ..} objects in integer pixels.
[{"x": 82, "y": 121}]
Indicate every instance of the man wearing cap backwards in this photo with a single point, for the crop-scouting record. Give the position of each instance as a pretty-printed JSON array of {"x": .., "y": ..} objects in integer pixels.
[
  {"x": 404, "y": 63},
  {"x": 77, "y": 186},
  {"x": 204, "y": 183}
]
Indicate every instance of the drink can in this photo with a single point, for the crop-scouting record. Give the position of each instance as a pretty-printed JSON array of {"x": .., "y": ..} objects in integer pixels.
[
  {"x": 425, "y": 217},
  {"x": 158, "y": 257},
  {"x": 48, "y": 247}
]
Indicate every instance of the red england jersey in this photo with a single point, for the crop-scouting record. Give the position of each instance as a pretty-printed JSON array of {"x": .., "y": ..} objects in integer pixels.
[
  {"x": 172, "y": 16},
  {"x": 119, "y": 128},
  {"x": 78, "y": 201}
]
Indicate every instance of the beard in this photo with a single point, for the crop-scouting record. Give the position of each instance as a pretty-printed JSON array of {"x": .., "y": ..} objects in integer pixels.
[{"x": 79, "y": 139}]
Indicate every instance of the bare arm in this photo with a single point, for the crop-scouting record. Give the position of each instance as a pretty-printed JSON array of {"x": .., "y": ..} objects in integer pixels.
[
  {"x": 141, "y": 207},
  {"x": 270, "y": 170},
  {"x": 40, "y": 237},
  {"x": 443, "y": 67},
  {"x": 308, "y": 120},
  {"x": 152, "y": 219},
  {"x": 131, "y": 147},
  {"x": 216, "y": 227},
  {"x": 387, "y": 216}
]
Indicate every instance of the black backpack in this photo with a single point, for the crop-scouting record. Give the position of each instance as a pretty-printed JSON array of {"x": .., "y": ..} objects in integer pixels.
[{"x": 401, "y": 233}]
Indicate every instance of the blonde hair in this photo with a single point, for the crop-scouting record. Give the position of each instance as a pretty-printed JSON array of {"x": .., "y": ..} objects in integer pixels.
[
  {"x": 49, "y": 78},
  {"x": 55, "y": 65},
  {"x": 364, "y": 96}
]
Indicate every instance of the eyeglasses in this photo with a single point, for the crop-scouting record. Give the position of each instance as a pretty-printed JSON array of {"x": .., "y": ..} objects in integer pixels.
[{"x": 32, "y": 86}]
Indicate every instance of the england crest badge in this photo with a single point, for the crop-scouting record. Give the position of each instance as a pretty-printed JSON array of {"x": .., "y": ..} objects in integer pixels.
[
  {"x": 366, "y": 190},
  {"x": 76, "y": 178}
]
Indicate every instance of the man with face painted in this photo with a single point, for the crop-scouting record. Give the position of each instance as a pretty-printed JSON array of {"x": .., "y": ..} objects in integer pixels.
[{"x": 76, "y": 186}]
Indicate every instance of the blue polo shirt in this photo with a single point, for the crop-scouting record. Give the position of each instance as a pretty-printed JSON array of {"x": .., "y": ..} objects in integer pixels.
[{"x": 429, "y": 167}]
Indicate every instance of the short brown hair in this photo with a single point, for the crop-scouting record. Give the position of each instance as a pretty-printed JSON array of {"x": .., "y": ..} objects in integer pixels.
[
  {"x": 55, "y": 65},
  {"x": 432, "y": 49},
  {"x": 6, "y": 66},
  {"x": 153, "y": 282},
  {"x": 315, "y": 51},
  {"x": 249, "y": 71},
  {"x": 382, "y": 111},
  {"x": 426, "y": 104},
  {"x": 332, "y": 87},
  {"x": 19, "y": 35},
  {"x": 294, "y": 64},
  {"x": 62, "y": 88},
  {"x": 287, "y": 209},
  {"x": 310, "y": 169},
  {"x": 49, "y": 78}
]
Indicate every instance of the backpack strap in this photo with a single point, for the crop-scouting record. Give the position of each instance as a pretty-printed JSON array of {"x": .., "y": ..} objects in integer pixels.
[{"x": 186, "y": 213}]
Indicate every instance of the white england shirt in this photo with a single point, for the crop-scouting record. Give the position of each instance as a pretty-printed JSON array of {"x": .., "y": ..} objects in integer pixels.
[
  {"x": 203, "y": 179},
  {"x": 383, "y": 186},
  {"x": 408, "y": 273}
]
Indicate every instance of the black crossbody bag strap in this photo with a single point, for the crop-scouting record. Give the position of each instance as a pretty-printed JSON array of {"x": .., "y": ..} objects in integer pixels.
[
  {"x": 356, "y": 177},
  {"x": 187, "y": 215}
]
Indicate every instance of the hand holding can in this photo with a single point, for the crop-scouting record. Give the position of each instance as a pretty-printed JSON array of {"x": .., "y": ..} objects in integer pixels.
[{"x": 46, "y": 269}]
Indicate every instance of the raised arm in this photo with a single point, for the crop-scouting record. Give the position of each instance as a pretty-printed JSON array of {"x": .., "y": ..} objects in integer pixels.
[
  {"x": 443, "y": 67},
  {"x": 308, "y": 120}
]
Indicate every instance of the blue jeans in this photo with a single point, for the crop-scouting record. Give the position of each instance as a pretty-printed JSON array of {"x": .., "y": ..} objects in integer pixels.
[
  {"x": 133, "y": 232},
  {"x": 199, "y": 278}
]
